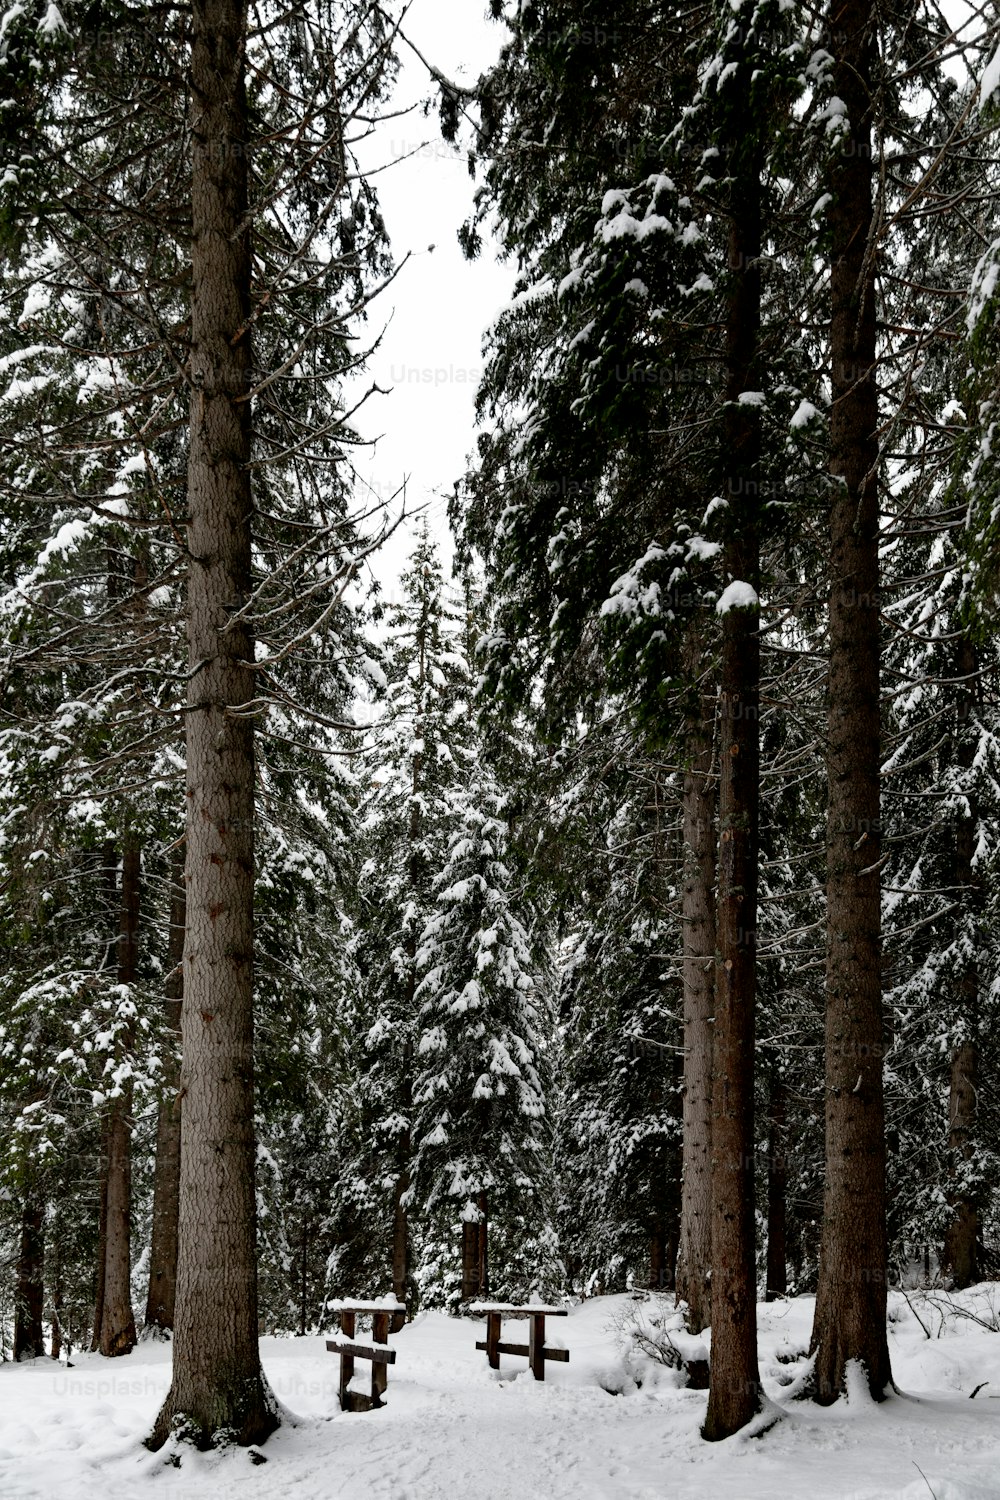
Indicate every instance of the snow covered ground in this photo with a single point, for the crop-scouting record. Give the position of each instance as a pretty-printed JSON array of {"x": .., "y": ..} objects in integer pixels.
[{"x": 608, "y": 1424}]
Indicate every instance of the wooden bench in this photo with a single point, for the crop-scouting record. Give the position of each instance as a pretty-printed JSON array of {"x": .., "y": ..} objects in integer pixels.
[
  {"x": 535, "y": 1348},
  {"x": 376, "y": 1349}
]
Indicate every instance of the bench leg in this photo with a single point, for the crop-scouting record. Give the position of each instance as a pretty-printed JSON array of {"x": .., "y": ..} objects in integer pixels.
[
  {"x": 536, "y": 1345},
  {"x": 346, "y": 1361},
  {"x": 380, "y": 1373},
  {"x": 493, "y": 1339}
]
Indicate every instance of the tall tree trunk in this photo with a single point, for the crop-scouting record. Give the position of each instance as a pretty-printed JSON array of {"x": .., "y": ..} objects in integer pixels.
[
  {"x": 960, "y": 1252},
  {"x": 109, "y": 870},
  {"x": 698, "y": 933},
  {"x": 304, "y": 1279},
  {"x": 777, "y": 1180},
  {"x": 400, "y": 1215},
  {"x": 102, "y": 1239},
  {"x": 217, "y": 1379},
  {"x": 850, "y": 1319},
  {"x": 117, "y": 1326},
  {"x": 400, "y": 1239},
  {"x": 734, "y": 1380},
  {"x": 57, "y": 1299},
  {"x": 483, "y": 1258},
  {"x": 162, "y": 1291},
  {"x": 29, "y": 1341},
  {"x": 665, "y": 1240},
  {"x": 414, "y": 874}
]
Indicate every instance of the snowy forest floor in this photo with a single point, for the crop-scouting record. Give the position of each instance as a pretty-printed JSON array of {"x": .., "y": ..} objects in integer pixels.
[{"x": 611, "y": 1423}]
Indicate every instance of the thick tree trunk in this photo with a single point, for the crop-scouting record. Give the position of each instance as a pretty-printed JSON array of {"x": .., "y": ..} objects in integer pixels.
[
  {"x": 734, "y": 1381},
  {"x": 960, "y": 1252},
  {"x": 162, "y": 1291},
  {"x": 698, "y": 933},
  {"x": 400, "y": 1214},
  {"x": 777, "y": 1179},
  {"x": 850, "y": 1320},
  {"x": 29, "y": 1340},
  {"x": 117, "y": 1326},
  {"x": 218, "y": 1383}
]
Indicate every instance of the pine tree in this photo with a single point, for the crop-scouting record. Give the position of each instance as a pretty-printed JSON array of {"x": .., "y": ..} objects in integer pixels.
[
  {"x": 418, "y": 765},
  {"x": 613, "y": 831}
]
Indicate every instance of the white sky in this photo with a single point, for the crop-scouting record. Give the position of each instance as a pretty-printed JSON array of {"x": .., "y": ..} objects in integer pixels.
[{"x": 440, "y": 303}]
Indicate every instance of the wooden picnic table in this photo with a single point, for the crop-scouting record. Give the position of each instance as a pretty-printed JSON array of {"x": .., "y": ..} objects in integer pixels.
[
  {"x": 376, "y": 1349},
  {"x": 535, "y": 1348}
]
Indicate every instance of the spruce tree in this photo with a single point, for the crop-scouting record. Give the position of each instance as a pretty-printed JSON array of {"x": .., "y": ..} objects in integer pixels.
[
  {"x": 481, "y": 1136},
  {"x": 417, "y": 766}
]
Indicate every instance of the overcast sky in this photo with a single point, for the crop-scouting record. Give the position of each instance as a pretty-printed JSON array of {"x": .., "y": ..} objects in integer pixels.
[{"x": 440, "y": 303}]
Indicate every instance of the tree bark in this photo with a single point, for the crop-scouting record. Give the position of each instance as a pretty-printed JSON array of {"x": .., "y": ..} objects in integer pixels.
[
  {"x": 102, "y": 1239},
  {"x": 56, "y": 1331},
  {"x": 400, "y": 1214},
  {"x": 117, "y": 1325},
  {"x": 475, "y": 1253},
  {"x": 470, "y": 1260},
  {"x": 218, "y": 1385},
  {"x": 777, "y": 1180},
  {"x": 698, "y": 934},
  {"x": 29, "y": 1341},
  {"x": 960, "y": 1252},
  {"x": 414, "y": 872},
  {"x": 734, "y": 1381},
  {"x": 109, "y": 870},
  {"x": 850, "y": 1318},
  {"x": 663, "y": 1255},
  {"x": 400, "y": 1240},
  {"x": 483, "y": 1256},
  {"x": 304, "y": 1279},
  {"x": 162, "y": 1290}
]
